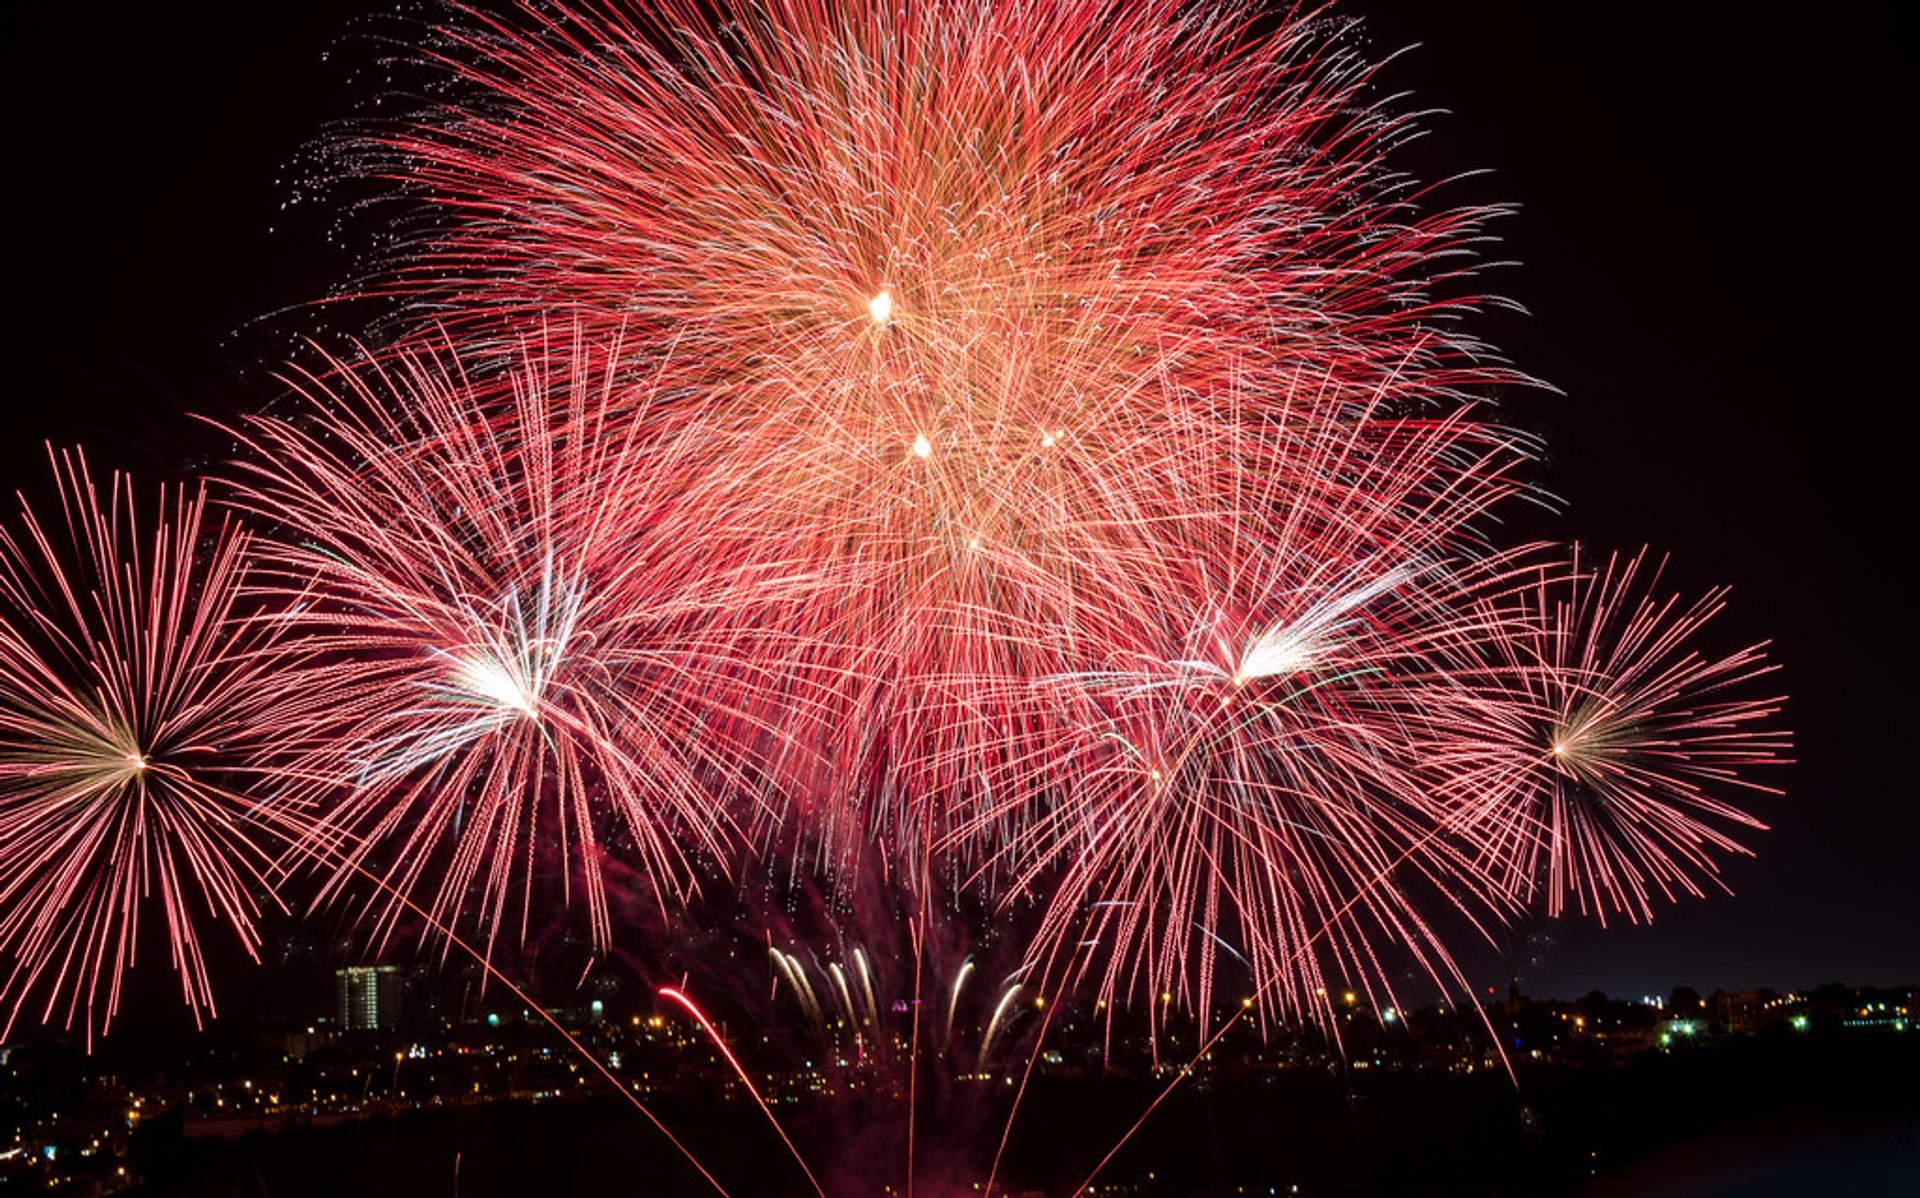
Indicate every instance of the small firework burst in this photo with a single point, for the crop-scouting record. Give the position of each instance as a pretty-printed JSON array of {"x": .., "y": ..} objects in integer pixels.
[
  {"x": 1600, "y": 746},
  {"x": 136, "y": 696}
]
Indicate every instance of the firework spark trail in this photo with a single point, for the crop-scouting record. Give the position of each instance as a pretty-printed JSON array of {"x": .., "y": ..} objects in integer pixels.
[
  {"x": 1206, "y": 1045},
  {"x": 740, "y": 1071},
  {"x": 918, "y": 932},
  {"x": 910, "y": 1079},
  {"x": 501, "y": 608},
  {"x": 135, "y": 692},
  {"x": 1595, "y": 742}
]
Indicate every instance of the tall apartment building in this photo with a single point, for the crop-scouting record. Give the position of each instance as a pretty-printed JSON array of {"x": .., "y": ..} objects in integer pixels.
[{"x": 368, "y": 998}]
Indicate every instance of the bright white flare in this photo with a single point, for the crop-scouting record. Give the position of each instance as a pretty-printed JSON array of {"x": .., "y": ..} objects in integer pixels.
[
  {"x": 880, "y": 307},
  {"x": 491, "y": 681},
  {"x": 1300, "y": 643},
  {"x": 1277, "y": 651},
  {"x": 922, "y": 448}
]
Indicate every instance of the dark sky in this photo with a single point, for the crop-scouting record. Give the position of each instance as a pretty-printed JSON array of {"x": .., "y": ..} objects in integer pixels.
[{"x": 1710, "y": 247}]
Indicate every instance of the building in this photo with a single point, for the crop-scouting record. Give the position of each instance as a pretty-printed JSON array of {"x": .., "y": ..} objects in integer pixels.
[{"x": 367, "y": 998}]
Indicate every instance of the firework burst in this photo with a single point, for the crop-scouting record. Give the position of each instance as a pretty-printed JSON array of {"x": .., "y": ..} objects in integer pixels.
[
  {"x": 1235, "y": 778},
  {"x": 513, "y": 647},
  {"x": 1064, "y": 196},
  {"x": 1599, "y": 744},
  {"x": 136, "y": 694},
  {"x": 984, "y": 311}
]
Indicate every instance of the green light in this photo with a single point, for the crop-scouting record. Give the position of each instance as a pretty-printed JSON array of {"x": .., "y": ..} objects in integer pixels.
[
  {"x": 598, "y": 1006},
  {"x": 493, "y": 1019},
  {"x": 1799, "y": 1023}
]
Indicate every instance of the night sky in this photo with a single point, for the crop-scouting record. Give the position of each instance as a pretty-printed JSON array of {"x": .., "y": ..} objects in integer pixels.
[{"x": 1709, "y": 247}]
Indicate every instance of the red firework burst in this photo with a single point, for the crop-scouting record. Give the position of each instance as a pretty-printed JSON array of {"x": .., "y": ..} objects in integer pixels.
[
  {"x": 1082, "y": 198},
  {"x": 509, "y": 635},
  {"x": 1236, "y": 778},
  {"x": 135, "y": 694},
  {"x": 984, "y": 311},
  {"x": 1597, "y": 749}
]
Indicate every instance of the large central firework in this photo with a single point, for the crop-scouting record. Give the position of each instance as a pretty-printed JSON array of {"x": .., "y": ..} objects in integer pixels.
[
  {"x": 1024, "y": 449},
  {"x": 1017, "y": 322}
]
